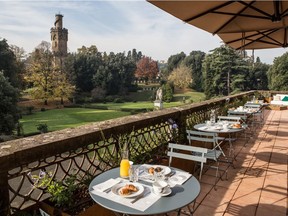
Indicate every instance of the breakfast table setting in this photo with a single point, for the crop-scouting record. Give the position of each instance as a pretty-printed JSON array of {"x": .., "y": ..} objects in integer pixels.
[{"x": 147, "y": 190}]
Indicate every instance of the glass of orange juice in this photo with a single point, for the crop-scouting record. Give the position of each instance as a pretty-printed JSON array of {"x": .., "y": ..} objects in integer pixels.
[{"x": 124, "y": 165}]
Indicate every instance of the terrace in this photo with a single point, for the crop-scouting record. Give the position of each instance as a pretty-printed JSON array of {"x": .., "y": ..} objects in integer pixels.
[{"x": 257, "y": 185}]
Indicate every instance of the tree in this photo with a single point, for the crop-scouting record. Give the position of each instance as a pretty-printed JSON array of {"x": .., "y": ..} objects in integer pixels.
[
  {"x": 278, "y": 74},
  {"x": 9, "y": 65},
  {"x": 92, "y": 50},
  {"x": 181, "y": 76},
  {"x": 47, "y": 81},
  {"x": 134, "y": 55},
  {"x": 115, "y": 75},
  {"x": 174, "y": 61},
  {"x": 258, "y": 76},
  {"x": 194, "y": 61},
  {"x": 147, "y": 69},
  {"x": 225, "y": 72},
  {"x": 81, "y": 67},
  {"x": 8, "y": 106},
  {"x": 62, "y": 86},
  {"x": 167, "y": 92}
]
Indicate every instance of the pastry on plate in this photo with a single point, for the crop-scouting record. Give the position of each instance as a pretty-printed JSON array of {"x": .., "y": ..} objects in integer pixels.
[
  {"x": 237, "y": 125},
  {"x": 151, "y": 170},
  {"x": 124, "y": 191},
  {"x": 128, "y": 189},
  {"x": 131, "y": 187},
  {"x": 158, "y": 169}
]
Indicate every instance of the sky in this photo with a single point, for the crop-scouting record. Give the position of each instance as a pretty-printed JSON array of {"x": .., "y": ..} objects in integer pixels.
[{"x": 113, "y": 26}]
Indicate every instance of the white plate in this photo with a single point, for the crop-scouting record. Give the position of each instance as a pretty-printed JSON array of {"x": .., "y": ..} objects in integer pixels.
[
  {"x": 166, "y": 192},
  {"x": 115, "y": 189},
  {"x": 165, "y": 170}
]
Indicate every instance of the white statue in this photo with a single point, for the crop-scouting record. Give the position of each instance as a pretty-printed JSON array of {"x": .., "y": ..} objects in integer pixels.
[{"x": 159, "y": 94}]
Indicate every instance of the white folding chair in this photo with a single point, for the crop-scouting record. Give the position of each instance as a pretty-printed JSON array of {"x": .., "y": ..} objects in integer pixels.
[
  {"x": 258, "y": 112},
  {"x": 231, "y": 119},
  {"x": 188, "y": 153},
  {"x": 193, "y": 153},
  {"x": 213, "y": 153}
]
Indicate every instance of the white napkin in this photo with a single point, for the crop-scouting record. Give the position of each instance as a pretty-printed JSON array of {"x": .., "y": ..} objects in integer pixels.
[
  {"x": 107, "y": 184},
  {"x": 179, "y": 178}
]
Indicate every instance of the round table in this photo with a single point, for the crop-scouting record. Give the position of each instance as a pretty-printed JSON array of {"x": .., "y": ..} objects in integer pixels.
[
  {"x": 202, "y": 127},
  {"x": 229, "y": 131},
  {"x": 181, "y": 196}
]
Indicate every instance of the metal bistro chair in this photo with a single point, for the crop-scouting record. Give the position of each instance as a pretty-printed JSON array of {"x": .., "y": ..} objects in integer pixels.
[
  {"x": 258, "y": 113},
  {"x": 213, "y": 153},
  {"x": 198, "y": 154},
  {"x": 184, "y": 152}
]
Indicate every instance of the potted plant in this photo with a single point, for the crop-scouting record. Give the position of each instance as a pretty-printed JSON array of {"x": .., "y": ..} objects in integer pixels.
[{"x": 67, "y": 197}]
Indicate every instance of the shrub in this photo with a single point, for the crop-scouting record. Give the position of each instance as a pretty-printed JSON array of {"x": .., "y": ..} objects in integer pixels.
[
  {"x": 109, "y": 98},
  {"x": 43, "y": 109},
  {"x": 118, "y": 100},
  {"x": 98, "y": 94},
  {"x": 43, "y": 128},
  {"x": 30, "y": 109}
]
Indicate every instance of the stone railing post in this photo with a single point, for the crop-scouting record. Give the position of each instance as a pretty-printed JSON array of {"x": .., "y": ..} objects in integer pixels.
[
  {"x": 181, "y": 122},
  {"x": 4, "y": 191}
]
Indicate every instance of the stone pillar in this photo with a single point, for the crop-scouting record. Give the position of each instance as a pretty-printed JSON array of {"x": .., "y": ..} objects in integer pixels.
[{"x": 158, "y": 104}]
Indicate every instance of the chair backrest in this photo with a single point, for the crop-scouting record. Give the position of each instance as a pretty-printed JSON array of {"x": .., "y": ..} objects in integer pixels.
[
  {"x": 250, "y": 105},
  {"x": 241, "y": 114},
  {"x": 230, "y": 119},
  {"x": 193, "y": 153},
  {"x": 201, "y": 136}
]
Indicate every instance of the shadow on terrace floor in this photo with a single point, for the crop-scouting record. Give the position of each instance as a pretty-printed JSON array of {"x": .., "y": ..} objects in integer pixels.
[{"x": 258, "y": 184}]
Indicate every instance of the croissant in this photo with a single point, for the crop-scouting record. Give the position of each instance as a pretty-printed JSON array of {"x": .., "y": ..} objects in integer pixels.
[
  {"x": 158, "y": 169},
  {"x": 237, "y": 125},
  {"x": 151, "y": 170},
  {"x": 131, "y": 187},
  {"x": 124, "y": 191}
]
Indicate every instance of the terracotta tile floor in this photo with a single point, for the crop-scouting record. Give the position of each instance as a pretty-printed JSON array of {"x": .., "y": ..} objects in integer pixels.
[{"x": 258, "y": 184}]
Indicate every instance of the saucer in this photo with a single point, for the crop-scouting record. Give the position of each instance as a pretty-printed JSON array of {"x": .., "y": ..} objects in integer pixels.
[{"x": 166, "y": 192}]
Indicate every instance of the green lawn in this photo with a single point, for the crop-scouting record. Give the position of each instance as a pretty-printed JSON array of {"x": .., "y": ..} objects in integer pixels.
[
  {"x": 58, "y": 119},
  {"x": 177, "y": 101}
]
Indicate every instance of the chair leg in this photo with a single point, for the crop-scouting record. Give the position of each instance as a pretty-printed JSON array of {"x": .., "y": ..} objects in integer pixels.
[
  {"x": 217, "y": 171},
  {"x": 190, "y": 212},
  {"x": 201, "y": 169}
]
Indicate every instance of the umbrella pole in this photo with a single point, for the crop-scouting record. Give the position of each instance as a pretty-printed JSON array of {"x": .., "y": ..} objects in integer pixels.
[{"x": 243, "y": 44}]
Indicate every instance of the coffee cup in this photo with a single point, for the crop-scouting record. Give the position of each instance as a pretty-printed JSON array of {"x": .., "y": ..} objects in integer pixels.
[
  {"x": 225, "y": 126},
  {"x": 160, "y": 186}
]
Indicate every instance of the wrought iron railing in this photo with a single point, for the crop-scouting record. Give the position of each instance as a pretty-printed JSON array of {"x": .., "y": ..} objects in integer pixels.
[{"x": 95, "y": 147}]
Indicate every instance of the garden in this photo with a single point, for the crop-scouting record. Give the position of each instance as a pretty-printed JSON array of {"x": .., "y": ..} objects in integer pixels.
[{"x": 38, "y": 118}]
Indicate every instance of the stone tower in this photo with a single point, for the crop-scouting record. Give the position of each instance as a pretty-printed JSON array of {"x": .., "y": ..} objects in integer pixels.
[{"x": 59, "y": 38}]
